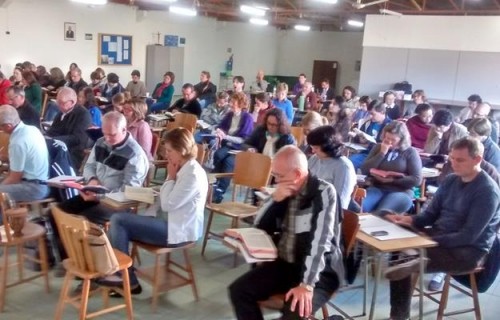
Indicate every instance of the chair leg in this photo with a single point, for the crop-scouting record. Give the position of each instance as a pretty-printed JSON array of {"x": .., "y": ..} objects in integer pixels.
[
  {"x": 3, "y": 277},
  {"x": 63, "y": 295},
  {"x": 189, "y": 270},
  {"x": 134, "y": 254},
  {"x": 20, "y": 261},
  {"x": 444, "y": 297},
  {"x": 234, "y": 225},
  {"x": 324, "y": 311},
  {"x": 475, "y": 296},
  {"x": 85, "y": 299},
  {"x": 127, "y": 296},
  {"x": 156, "y": 283},
  {"x": 207, "y": 232},
  {"x": 44, "y": 263}
]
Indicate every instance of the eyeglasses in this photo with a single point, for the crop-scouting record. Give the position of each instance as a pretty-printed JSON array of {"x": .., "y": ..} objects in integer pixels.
[{"x": 272, "y": 124}]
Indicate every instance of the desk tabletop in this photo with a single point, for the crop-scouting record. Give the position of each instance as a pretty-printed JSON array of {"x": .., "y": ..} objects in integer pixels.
[{"x": 396, "y": 244}]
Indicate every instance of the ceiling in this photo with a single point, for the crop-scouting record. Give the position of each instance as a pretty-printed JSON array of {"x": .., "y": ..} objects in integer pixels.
[{"x": 322, "y": 16}]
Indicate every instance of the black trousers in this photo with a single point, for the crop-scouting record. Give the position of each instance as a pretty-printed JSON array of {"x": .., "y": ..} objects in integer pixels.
[
  {"x": 277, "y": 277},
  {"x": 460, "y": 259},
  {"x": 92, "y": 210}
]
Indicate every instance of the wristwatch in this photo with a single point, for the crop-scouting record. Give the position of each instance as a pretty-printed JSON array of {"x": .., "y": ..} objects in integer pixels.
[{"x": 308, "y": 287}]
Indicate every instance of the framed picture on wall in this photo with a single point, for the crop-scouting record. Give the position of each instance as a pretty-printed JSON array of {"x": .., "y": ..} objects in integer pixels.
[{"x": 69, "y": 31}]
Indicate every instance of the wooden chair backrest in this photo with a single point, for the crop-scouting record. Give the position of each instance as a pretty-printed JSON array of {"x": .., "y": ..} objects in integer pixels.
[
  {"x": 185, "y": 120},
  {"x": 155, "y": 144},
  {"x": 4, "y": 206},
  {"x": 4, "y": 143},
  {"x": 359, "y": 194},
  {"x": 73, "y": 230},
  {"x": 251, "y": 170},
  {"x": 298, "y": 134},
  {"x": 350, "y": 227},
  {"x": 200, "y": 157},
  {"x": 45, "y": 100}
]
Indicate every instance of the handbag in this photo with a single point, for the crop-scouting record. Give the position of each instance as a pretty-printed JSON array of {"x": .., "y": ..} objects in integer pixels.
[{"x": 101, "y": 252}]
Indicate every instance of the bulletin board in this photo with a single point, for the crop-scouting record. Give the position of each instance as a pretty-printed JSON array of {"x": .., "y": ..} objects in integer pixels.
[{"x": 114, "y": 49}]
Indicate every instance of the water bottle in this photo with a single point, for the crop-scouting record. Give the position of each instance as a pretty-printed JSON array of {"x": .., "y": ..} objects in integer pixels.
[
  {"x": 302, "y": 101},
  {"x": 274, "y": 91}
]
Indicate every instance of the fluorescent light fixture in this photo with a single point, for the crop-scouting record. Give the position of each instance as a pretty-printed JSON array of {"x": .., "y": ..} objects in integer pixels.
[
  {"x": 260, "y": 22},
  {"x": 182, "y": 11},
  {"x": 253, "y": 11},
  {"x": 328, "y": 1},
  {"x": 91, "y": 2},
  {"x": 355, "y": 23},
  {"x": 302, "y": 27},
  {"x": 390, "y": 12}
]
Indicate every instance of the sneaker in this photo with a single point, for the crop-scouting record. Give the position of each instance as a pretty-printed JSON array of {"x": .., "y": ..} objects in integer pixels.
[
  {"x": 403, "y": 270},
  {"x": 217, "y": 196},
  {"x": 59, "y": 271},
  {"x": 135, "y": 290},
  {"x": 436, "y": 283}
]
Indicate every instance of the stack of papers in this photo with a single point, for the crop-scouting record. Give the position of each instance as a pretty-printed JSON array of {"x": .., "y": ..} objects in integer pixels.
[
  {"x": 371, "y": 224},
  {"x": 430, "y": 172}
]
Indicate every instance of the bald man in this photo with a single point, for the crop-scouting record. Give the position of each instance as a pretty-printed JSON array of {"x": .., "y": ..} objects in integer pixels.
[
  {"x": 70, "y": 125},
  {"x": 28, "y": 158},
  {"x": 259, "y": 85},
  {"x": 483, "y": 111},
  {"x": 305, "y": 212}
]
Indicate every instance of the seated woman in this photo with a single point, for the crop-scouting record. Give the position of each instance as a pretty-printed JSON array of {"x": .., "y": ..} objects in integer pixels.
[
  {"x": 134, "y": 111},
  {"x": 343, "y": 124},
  {"x": 361, "y": 112},
  {"x": 327, "y": 162},
  {"x": 112, "y": 87},
  {"x": 163, "y": 93},
  {"x": 270, "y": 136},
  {"x": 331, "y": 113},
  {"x": 351, "y": 100},
  {"x": 232, "y": 131},
  {"x": 177, "y": 217},
  {"x": 212, "y": 115},
  {"x": 86, "y": 99},
  {"x": 419, "y": 125},
  {"x": 32, "y": 90},
  {"x": 17, "y": 77},
  {"x": 310, "y": 121},
  {"x": 443, "y": 133},
  {"x": 261, "y": 106},
  {"x": 393, "y": 110},
  {"x": 417, "y": 97},
  {"x": 281, "y": 101},
  {"x": 396, "y": 157},
  {"x": 117, "y": 102}
]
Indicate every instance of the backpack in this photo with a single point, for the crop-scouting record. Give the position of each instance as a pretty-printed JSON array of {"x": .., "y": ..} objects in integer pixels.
[
  {"x": 403, "y": 86},
  {"x": 60, "y": 164}
]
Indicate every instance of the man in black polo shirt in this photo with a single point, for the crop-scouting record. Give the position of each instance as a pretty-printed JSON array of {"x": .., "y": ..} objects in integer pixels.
[{"x": 27, "y": 113}]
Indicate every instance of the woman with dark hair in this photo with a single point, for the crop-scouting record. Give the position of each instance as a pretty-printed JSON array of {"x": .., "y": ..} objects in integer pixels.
[
  {"x": 327, "y": 162},
  {"x": 351, "y": 100},
  {"x": 17, "y": 77},
  {"x": 419, "y": 125},
  {"x": 56, "y": 79},
  {"x": 343, "y": 125},
  {"x": 163, "y": 93},
  {"x": 43, "y": 76},
  {"x": 112, "y": 86},
  {"x": 361, "y": 112},
  {"x": 269, "y": 137},
  {"x": 395, "y": 168},
  {"x": 86, "y": 99},
  {"x": 393, "y": 110},
  {"x": 443, "y": 133},
  {"x": 234, "y": 128},
  {"x": 177, "y": 215},
  {"x": 32, "y": 90},
  {"x": 260, "y": 108}
]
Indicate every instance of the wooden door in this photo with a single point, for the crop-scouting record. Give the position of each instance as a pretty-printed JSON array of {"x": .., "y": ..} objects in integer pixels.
[{"x": 323, "y": 69}]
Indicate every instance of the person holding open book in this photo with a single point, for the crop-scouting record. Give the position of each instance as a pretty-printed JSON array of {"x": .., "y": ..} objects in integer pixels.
[
  {"x": 395, "y": 167},
  {"x": 303, "y": 216},
  {"x": 177, "y": 216}
]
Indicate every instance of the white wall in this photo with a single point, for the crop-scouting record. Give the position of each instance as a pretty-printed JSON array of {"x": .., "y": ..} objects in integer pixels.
[
  {"x": 207, "y": 40},
  {"x": 298, "y": 50}
]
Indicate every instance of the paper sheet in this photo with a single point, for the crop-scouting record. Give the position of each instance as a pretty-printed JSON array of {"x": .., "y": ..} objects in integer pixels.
[
  {"x": 125, "y": 54},
  {"x": 106, "y": 38},
  {"x": 119, "y": 49},
  {"x": 112, "y": 47},
  {"x": 125, "y": 44},
  {"x": 371, "y": 223}
]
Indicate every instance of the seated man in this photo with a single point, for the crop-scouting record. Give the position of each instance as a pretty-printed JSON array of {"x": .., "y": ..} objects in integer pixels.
[
  {"x": 70, "y": 125},
  {"x": 77, "y": 83},
  {"x": 205, "y": 90},
  {"x": 28, "y": 158},
  {"x": 480, "y": 128},
  {"x": 188, "y": 103},
  {"x": 116, "y": 161},
  {"x": 443, "y": 133},
  {"x": 483, "y": 111},
  {"x": 309, "y": 268},
  {"x": 310, "y": 98},
  {"x": 463, "y": 217},
  {"x": 136, "y": 87},
  {"x": 259, "y": 85},
  {"x": 27, "y": 112},
  {"x": 213, "y": 115}
]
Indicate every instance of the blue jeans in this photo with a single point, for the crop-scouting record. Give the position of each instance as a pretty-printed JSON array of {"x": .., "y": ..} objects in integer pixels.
[
  {"x": 158, "y": 106},
  {"x": 223, "y": 163},
  {"x": 126, "y": 227},
  {"x": 51, "y": 111},
  {"x": 378, "y": 199},
  {"x": 358, "y": 159}
]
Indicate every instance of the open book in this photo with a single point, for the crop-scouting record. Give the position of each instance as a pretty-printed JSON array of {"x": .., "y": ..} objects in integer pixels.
[
  {"x": 365, "y": 135},
  {"x": 255, "y": 242},
  {"x": 386, "y": 174},
  {"x": 140, "y": 194},
  {"x": 81, "y": 187},
  {"x": 202, "y": 124}
]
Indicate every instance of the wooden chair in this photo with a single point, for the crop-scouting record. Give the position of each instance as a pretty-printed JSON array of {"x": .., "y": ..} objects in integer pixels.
[
  {"x": 185, "y": 120},
  {"x": 31, "y": 232},
  {"x": 298, "y": 134},
  {"x": 168, "y": 276},
  {"x": 350, "y": 227},
  {"x": 73, "y": 231},
  {"x": 37, "y": 206},
  {"x": 359, "y": 194},
  {"x": 254, "y": 177}
]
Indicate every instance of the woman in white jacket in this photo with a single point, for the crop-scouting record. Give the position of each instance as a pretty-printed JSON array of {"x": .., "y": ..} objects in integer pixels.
[{"x": 177, "y": 215}]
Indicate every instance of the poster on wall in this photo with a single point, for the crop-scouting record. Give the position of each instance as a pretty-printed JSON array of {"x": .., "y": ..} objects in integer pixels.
[
  {"x": 114, "y": 49},
  {"x": 69, "y": 31}
]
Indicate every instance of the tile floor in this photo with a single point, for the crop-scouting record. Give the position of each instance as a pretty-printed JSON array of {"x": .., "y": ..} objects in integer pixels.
[{"x": 214, "y": 273}]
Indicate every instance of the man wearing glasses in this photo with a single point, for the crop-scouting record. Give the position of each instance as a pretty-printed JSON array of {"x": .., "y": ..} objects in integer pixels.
[
  {"x": 27, "y": 113},
  {"x": 483, "y": 111},
  {"x": 302, "y": 215},
  {"x": 70, "y": 125}
]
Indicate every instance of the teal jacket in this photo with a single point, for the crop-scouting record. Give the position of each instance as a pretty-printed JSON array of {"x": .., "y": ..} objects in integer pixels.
[
  {"x": 166, "y": 94},
  {"x": 34, "y": 95}
]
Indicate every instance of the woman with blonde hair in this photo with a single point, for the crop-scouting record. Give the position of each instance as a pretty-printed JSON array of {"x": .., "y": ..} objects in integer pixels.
[
  {"x": 310, "y": 121},
  {"x": 176, "y": 217},
  {"x": 134, "y": 111}
]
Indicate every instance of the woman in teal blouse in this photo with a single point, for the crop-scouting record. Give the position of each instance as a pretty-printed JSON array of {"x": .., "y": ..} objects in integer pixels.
[
  {"x": 163, "y": 93},
  {"x": 32, "y": 90}
]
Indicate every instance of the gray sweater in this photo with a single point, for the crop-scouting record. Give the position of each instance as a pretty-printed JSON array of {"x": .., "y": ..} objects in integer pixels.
[
  {"x": 337, "y": 171},
  {"x": 463, "y": 214},
  {"x": 407, "y": 162}
]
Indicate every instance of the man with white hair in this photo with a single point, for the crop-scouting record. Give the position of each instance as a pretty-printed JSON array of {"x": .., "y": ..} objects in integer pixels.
[
  {"x": 28, "y": 158},
  {"x": 304, "y": 214},
  {"x": 310, "y": 98},
  {"x": 70, "y": 125},
  {"x": 259, "y": 85},
  {"x": 483, "y": 111}
]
